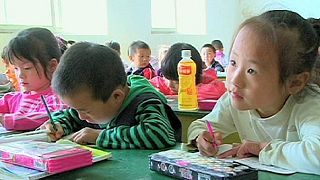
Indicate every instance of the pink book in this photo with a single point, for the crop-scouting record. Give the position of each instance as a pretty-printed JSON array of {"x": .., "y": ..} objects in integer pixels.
[{"x": 44, "y": 156}]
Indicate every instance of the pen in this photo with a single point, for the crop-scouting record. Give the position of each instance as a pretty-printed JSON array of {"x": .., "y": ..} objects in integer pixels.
[
  {"x": 48, "y": 112},
  {"x": 211, "y": 131}
]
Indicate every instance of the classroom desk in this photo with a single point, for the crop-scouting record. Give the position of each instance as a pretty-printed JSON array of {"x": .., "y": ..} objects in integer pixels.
[
  {"x": 186, "y": 117},
  {"x": 133, "y": 164}
]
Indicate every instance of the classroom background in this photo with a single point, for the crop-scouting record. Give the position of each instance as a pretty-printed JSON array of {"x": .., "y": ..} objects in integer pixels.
[{"x": 156, "y": 22}]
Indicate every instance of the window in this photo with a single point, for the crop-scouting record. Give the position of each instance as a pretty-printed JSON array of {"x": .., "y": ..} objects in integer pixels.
[
  {"x": 163, "y": 15},
  {"x": 15, "y": 12},
  {"x": 85, "y": 17},
  {"x": 180, "y": 16}
]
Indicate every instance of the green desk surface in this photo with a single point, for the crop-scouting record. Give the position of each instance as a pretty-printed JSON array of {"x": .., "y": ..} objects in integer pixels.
[{"x": 133, "y": 164}]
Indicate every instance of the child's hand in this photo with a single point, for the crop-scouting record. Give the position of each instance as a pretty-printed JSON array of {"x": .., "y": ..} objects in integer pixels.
[
  {"x": 205, "y": 143},
  {"x": 86, "y": 136},
  {"x": 54, "y": 135},
  {"x": 247, "y": 149}
]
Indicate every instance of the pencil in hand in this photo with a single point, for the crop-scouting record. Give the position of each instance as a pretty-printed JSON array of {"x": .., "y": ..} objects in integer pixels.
[
  {"x": 48, "y": 112},
  {"x": 211, "y": 131}
]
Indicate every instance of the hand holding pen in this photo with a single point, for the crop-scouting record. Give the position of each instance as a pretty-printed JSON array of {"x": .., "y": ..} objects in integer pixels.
[
  {"x": 48, "y": 112},
  {"x": 211, "y": 131},
  {"x": 208, "y": 142}
]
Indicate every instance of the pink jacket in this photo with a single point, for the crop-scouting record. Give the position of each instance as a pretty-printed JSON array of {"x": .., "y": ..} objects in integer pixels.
[
  {"x": 25, "y": 111},
  {"x": 210, "y": 88}
]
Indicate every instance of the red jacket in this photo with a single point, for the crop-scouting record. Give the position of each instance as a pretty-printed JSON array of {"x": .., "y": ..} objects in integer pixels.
[{"x": 210, "y": 88}]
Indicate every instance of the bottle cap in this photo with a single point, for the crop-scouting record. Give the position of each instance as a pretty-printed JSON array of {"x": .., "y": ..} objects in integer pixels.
[{"x": 186, "y": 53}]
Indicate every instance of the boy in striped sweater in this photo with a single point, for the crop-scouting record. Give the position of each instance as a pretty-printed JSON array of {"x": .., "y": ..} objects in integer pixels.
[{"x": 108, "y": 108}]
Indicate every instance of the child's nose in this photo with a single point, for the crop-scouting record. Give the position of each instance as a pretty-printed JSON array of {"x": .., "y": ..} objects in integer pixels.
[{"x": 236, "y": 78}]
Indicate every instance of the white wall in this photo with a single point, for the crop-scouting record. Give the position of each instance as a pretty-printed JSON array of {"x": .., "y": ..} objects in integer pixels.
[{"x": 130, "y": 20}]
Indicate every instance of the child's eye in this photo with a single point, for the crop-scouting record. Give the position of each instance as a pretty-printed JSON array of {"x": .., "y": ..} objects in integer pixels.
[
  {"x": 251, "y": 71},
  {"x": 232, "y": 63}
]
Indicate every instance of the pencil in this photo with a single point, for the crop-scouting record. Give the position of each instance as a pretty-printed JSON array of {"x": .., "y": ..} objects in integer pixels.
[
  {"x": 48, "y": 112},
  {"x": 211, "y": 131}
]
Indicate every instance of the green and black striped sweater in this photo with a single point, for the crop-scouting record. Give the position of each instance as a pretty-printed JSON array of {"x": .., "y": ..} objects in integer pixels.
[{"x": 145, "y": 121}]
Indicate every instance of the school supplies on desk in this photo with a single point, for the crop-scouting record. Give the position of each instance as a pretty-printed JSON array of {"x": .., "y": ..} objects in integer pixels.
[
  {"x": 97, "y": 154},
  {"x": 39, "y": 135},
  {"x": 186, "y": 165},
  {"x": 12, "y": 171},
  {"x": 44, "y": 156},
  {"x": 182, "y": 164}
]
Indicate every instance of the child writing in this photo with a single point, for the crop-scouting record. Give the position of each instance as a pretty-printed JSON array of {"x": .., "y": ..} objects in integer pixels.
[
  {"x": 208, "y": 53},
  {"x": 35, "y": 54},
  {"x": 270, "y": 102},
  {"x": 209, "y": 87},
  {"x": 109, "y": 109},
  {"x": 139, "y": 53}
]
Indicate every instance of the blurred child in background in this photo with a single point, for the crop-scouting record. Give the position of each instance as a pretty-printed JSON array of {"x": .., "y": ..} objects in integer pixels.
[
  {"x": 139, "y": 53},
  {"x": 161, "y": 54},
  {"x": 10, "y": 71},
  {"x": 220, "y": 56},
  {"x": 208, "y": 54}
]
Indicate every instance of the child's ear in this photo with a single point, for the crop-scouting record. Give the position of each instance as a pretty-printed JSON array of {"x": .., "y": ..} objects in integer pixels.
[
  {"x": 118, "y": 95},
  {"x": 298, "y": 82},
  {"x": 53, "y": 64},
  {"x": 130, "y": 58}
]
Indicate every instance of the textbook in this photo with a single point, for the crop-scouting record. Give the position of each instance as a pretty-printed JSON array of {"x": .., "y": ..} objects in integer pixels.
[
  {"x": 97, "y": 154},
  {"x": 187, "y": 165},
  {"x": 12, "y": 171},
  {"x": 44, "y": 156}
]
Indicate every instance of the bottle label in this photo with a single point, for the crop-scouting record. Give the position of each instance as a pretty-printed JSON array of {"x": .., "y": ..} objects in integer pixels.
[{"x": 185, "y": 70}]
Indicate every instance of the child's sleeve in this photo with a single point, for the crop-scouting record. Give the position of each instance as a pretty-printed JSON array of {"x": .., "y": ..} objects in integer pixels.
[
  {"x": 149, "y": 73},
  {"x": 4, "y": 104},
  {"x": 30, "y": 116},
  {"x": 301, "y": 150},
  {"x": 221, "y": 118},
  {"x": 152, "y": 132},
  {"x": 70, "y": 121}
]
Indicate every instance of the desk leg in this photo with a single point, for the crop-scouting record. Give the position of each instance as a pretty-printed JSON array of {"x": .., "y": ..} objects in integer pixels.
[{"x": 186, "y": 120}]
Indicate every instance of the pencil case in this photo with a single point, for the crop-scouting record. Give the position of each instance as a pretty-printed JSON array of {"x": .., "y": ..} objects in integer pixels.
[
  {"x": 206, "y": 104},
  {"x": 44, "y": 156}
]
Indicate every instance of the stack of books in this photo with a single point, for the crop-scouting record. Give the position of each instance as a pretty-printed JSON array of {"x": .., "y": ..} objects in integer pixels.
[{"x": 34, "y": 159}]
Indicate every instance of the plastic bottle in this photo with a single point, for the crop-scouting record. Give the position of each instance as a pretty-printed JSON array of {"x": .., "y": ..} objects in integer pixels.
[{"x": 187, "y": 94}]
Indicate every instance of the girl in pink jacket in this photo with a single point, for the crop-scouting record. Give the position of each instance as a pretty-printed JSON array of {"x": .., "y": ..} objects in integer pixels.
[{"x": 35, "y": 54}]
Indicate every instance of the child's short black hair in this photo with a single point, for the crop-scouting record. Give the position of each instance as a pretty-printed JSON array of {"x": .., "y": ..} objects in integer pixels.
[
  {"x": 134, "y": 46},
  {"x": 209, "y": 46},
  {"x": 87, "y": 65},
  {"x": 217, "y": 44}
]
